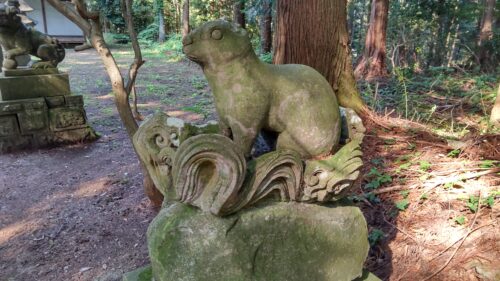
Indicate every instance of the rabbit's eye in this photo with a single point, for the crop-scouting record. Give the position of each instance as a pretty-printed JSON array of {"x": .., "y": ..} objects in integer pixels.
[{"x": 216, "y": 34}]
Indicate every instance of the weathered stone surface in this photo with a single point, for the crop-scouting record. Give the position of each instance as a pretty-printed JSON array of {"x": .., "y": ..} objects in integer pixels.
[
  {"x": 8, "y": 126},
  {"x": 34, "y": 123},
  {"x": 156, "y": 142},
  {"x": 367, "y": 276},
  {"x": 29, "y": 71},
  {"x": 278, "y": 242},
  {"x": 293, "y": 101},
  {"x": 354, "y": 125},
  {"x": 210, "y": 171},
  {"x": 33, "y": 86},
  {"x": 330, "y": 179},
  {"x": 63, "y": 118},
  {"x": 296, "y": 112}
]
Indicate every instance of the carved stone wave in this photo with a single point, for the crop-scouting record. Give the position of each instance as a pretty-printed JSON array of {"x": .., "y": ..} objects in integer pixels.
[
  {"x": 193, "y": 165},
  {"x": 210, "y": 172},
  {"x": 330, "y": 179}
]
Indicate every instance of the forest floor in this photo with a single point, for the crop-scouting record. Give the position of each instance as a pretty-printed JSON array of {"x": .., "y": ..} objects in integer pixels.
[{"x": 79, "y": 212}]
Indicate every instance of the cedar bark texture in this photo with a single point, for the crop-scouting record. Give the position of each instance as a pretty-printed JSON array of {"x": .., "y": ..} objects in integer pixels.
[
  {"x": 371, "y": 64},
  {"x": 185, "y": 18},
  {"x": 486, "y": 55},
  {"x": 314, "y": 33},
  {"x": 265, "y": 27},
  {"x": 238, "y": 14}
]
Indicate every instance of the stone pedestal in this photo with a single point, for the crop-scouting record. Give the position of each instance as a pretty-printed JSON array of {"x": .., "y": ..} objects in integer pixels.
[
  {"x": 37, "y": 109},
  {"x": 279, "y": 242}
]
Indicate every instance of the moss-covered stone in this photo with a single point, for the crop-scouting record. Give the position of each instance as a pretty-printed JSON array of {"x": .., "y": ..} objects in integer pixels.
[
  {"x": 367, "y": 276},
  {"x": 34, "y": 123},
  {"x": 278, "y": 242},
  {"x": 294, "y": 101},
  {"x": 33, "y": 86},
  {"x": 141, "y": 274}
]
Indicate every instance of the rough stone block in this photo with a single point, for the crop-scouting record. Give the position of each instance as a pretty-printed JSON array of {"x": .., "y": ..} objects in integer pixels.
[
  {"x": 64, "y": 117},
  {"x": 278, "y": 242},
  {"x": 29, "y": 71},
  {"x": 75, "y": 135},
  {"x": 40, "y": 122},
  {"x": 10, "y": 107},
  {"x": 19, "y": 142},
  {"x": 33, "y": 86},
  {"x": 74, "y": 100},
  {"x": 34, "y": 104},
  {"x": 8, "y": 126},
  {"x": 33, "y": 120},
  {"x": 53, "y": 102}
]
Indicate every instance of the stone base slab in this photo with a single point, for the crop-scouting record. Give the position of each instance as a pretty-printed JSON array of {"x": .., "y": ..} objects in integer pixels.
[
  {"x": 24, "y": 84},
  {"x": 279, "y": 242},
  {"x": 26, "y": 71},
  {"x": 44, "y": 121}
]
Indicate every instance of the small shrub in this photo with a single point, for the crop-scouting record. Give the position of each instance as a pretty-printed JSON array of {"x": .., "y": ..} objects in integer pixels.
[
  {"x": 402, "y": 204},
  {"x": 488, "y": 164},
  {"x": 425, "y": 165},
  {"x": 150, "y": 33},
  {"x": 266, "y": 57},
  {"x": 116, "y": 38},
  {"x": 375, "y": 236},
  {"x": 405, "y": 193},
  {"x": 378, "y": 179},
  {"x": 473, "y": 203},
  {"x": 460, "y": 219},
  {"x": 424, "y": 196},
  {"x": 454, "y": 153}
]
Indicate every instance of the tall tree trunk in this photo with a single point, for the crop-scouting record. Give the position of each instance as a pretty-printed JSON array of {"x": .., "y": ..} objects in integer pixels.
[
  {"x": 185, "y": 18},
  {"x": 495, "y": 112},
  {"x": 238, "y": 13},
  {"x": 89, "y": 23},
  {"x": 178, "y": 16},
  {"x": 371, "y": 65},
  {"x": 452, "y": 51},
  {"x": 316, "y": 35},
  {"x": 161, "y": 20},
  {"x": 486, "y": 55},
  {"x": 266, "y": 35},
  {"x": 440, "y": 37}
]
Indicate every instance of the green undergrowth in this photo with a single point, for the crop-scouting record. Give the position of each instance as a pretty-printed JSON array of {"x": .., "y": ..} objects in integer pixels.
[
  {"x": 452, "y": 102},
  {"x": 171, "y": 49}
]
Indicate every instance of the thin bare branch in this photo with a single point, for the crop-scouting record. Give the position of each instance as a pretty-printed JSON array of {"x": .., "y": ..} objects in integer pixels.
[
  {"x": 81, "y": 8},
  {"x": 138, "y": 61}
]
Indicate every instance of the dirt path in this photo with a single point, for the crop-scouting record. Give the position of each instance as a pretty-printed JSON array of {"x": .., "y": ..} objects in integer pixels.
[{"x": 79, "y": 212}]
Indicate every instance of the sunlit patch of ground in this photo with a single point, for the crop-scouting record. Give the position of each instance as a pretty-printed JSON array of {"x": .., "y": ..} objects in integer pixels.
[{"x": 432, "y": 210}]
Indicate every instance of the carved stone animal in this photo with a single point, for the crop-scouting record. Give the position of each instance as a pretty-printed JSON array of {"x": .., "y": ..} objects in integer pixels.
[
  {"x": 16, "y": 39},
  {"x": 294, "y": 101}
]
